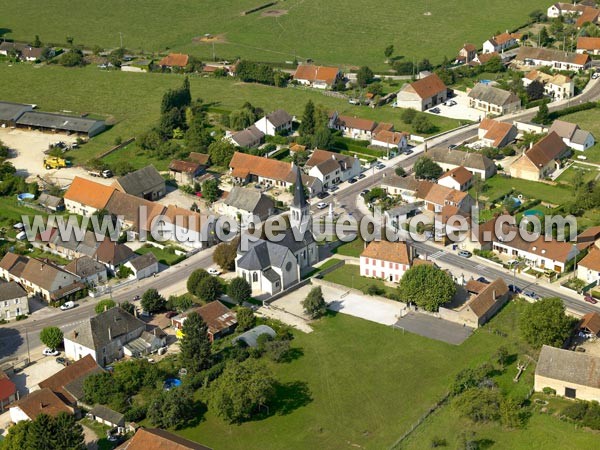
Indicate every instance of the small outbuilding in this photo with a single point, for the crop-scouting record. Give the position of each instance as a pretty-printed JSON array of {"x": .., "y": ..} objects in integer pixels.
[
  {"x": 107, "y": 416},
  {"x": 250, "y": 337}
]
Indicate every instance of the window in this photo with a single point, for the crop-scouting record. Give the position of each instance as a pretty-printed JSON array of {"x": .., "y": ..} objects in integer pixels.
[
  {"x": 391, "y": 266},
  {"x": 570, "y": 392},
  {"x": 254, "y": 277},
  {"x": 288, "y": 266},
  {"x": 367, "y": 272},
  {"x": 367, "y": 261},
  {"x": 382, "y": 263},
  {"x": 397, "y": 266}
]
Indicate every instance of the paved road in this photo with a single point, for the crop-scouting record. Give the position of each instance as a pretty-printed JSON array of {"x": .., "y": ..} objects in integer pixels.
[{"x": 13, "y": 336}]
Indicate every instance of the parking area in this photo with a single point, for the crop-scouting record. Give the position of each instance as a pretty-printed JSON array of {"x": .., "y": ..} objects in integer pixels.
[
  {"x": 28, "y": 378},
  {"x": 461, "y": 110},
  {"x": 434, "y": 328}
]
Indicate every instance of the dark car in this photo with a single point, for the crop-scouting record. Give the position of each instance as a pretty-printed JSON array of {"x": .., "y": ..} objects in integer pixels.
[
  {"x": 364, "y": 192},
  {"x": 532, "y": 295},
  {"x": 435, "y": 110},
  {"x": 514, "y": 288},
  {"x": 323, "y": 194},
  {"x": 61, "y": 360},
  {"x": 333, "y": 188},
  {"x": 361, "y": 176},
  {"x": 352, "y": 180},
  {"x": 452, "y": 146},
  {"x": 483, "y": 280},
  {"x": 137, "y": 297}
]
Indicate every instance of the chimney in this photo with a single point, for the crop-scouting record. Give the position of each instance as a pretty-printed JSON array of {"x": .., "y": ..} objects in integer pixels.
[
  {"x": 494, "y": 294},
  {"x": 109, "y": 334},
  {"x": 75, "y": 334},
  {"x": 530, "y": 145},
  {"x": 42, "y": 405}
]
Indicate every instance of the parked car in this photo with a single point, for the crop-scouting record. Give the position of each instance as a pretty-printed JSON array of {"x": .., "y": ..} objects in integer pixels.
[
  {"x": 352, "y": 180},
  {"x": 531, "y": 295},
  {"x": 483, "y": 280},
  {"x": 450, "y": 103},
  {"x": 435, "y": 110},
  {"x": 61, "y": 360},
  {"x": 135, "y": 298},
  {"x": 213, "y": 271},
  {"x": 595, "y": 76},
  {"x": 380, "y": 166},
  {"x": 322, "y": 205},
  {"x": 514, "y": 288},
  {"x": 333, "y": 188},
  {"x": 582, "y": 157},
  {"x": 408, "y": 151},
  {"x": 364, "y": 192},
  {"x": 452, "y": 146},
  {"x": 465, "y": 254},
  {"x": 361, "y": 176},
  {"x": 588, "y": 298},
  {"x": 50, "y": 352},
  {"x": 323, "y": 195},
  {"x": 67, "y": 305}
]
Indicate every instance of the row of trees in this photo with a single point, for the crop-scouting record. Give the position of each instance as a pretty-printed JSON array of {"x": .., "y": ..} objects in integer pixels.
[{"x": 261, "y": 73}]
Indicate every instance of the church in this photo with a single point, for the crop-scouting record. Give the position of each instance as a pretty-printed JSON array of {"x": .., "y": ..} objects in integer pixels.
[{"x": 271, "y": 267}]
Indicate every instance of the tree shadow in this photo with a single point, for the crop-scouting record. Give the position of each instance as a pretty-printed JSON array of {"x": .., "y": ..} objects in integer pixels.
[
  {"x": 393, "y": 59},
  {"x": 484, "y": 443},
  {"x": 287, "y": 398},
  {"x": 10, "y": 342},
  {"x": 199, "y": 409},
  {"x": 4, "y": 31},
  {"x": 292, "y": 355}
]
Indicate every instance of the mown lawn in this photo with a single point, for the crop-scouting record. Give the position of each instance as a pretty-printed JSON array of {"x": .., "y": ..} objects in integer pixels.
[
  {"x": 164, "y": 256},
  {"x": 131, "y": 101},
  {"x": 499, "y": 186},
  {"x": 352, "y": 248},
  {"x": 337, "y": 31},
  {"x": 349, "y": 275},
  {"x": 578, "y": 172},
  {"x": 357, "y": 384}
]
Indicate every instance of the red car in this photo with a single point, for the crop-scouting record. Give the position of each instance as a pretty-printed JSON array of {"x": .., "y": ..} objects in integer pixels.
[{"x": 590, "y": 299}]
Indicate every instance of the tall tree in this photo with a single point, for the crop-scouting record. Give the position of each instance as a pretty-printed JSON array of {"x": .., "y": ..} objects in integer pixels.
[
  {"x": 426, "y": 286},
  {"x": 314, "y": 304},
  {"x": 209, "y": 289},
  {"x": 52, "y": 337},
  {"x": 195, "y": 344},
  {"x": 364, "y": 76},
  {"x": 240, "y": 390},
  {"x": 221, "y": 152},
  {"x": 426, "y": 168},
  {"x": 225, "y": 254},
  {"x": 171, "y": 409},
  {"x": 245, "y": 318},
  {"x": 211, "y": 191},
  {"x": 68, "y": 433},
  {"x": 152, "y": 301},
  {"x": 194, "y": 280},
  {"x": 239, "y": 290},
  {"x": 535, "y": 90},
  {"x": 543, "y": 115},
  {"x": 307, "y": 126},
  {"x": 545, "y": 323}
]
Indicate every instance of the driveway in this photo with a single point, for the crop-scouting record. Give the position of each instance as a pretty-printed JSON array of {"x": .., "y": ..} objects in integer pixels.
[
  {"x": 461, "y": 110},
  {"x": 28, "y": 378},
  {"x": 434, "y": 328}
]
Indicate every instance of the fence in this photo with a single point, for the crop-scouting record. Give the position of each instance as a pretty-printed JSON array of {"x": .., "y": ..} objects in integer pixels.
[{"x": 116, "y": 147}]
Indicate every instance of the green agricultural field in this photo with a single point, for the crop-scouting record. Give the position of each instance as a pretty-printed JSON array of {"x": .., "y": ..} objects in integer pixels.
[
  {"x": 356, "y": 384},
  {"x": 337, "y": 31},
  {"x": 131, "y": 101}
]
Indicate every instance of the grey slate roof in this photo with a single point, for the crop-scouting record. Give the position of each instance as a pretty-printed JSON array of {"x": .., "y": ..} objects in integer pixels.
[
  {"x": 460, "y": 158},
  {"x": 243, "y": 198},
  {"x": 492, "y": 95},
  {"x": 12, "y": 111},
  {"x": 85, "y": 266},
  {"x": 565, "y": 130},
  {"x": 58, "y": 121},
  {"x": 248, "y": 136},
  {"x": 108, "y": 414},
  {"x": 94, "y": 334},
  {"x": 572, "y": 367},
  {"x": 11, "y": 290},
  {"x": 299, "y": 196},
  {"x": 250, "y": 337},
  {"x": 141, "y": 181},
  {"x": 271, "y": 275},
  {"x": 279, "y": 117},
  {"x": 50, "y": 201},
  {"x": 580, "y": 137},
  {"x": 262, "y": 255},
  {"x": 406, "y": 183},
  {"x": 143, "y": 261}
]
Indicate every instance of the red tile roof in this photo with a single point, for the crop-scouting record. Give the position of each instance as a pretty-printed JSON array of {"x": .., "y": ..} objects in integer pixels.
[
  {"x": 184, "y": 166},
  {"x": 89, "y": 193},
  {"x": 428, "y": 86},
  {"x": 155, "y": 439},
  {"x": 79, "y": 369},
  {"x": 7, "y": 387},
  {"x": 174, "y": 60},
  {"x": 496, "y": 131},
  {"x": 588, "y": 43},
  {"x": 397, "y": 252},
  {"x": 243, "y": 164},
  {"x": 460, "y": 174},
  {"x": 591, "y": 261},
  {"x": 42, "y": 401},
  {"x": 200, "y": 158},
  {"x": 316, "y": 73},
  {"x": 548, "y": 149}
]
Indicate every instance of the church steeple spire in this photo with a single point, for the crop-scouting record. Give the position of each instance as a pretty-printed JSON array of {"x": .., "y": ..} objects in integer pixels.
[{"x": 300, "y": 209}]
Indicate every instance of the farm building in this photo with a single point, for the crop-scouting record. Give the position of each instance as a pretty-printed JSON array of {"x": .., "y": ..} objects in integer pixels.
[
  {"x": 10, "y": 112},
  {"x": 571, "y": 374},
  {"x": 422, "y": 94},
  {"x": 44, "y": 121}
]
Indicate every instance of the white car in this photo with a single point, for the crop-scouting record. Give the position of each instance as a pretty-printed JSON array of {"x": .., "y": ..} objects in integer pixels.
[
  {"x": 50, "y": 352},
  {"x": 67, "y": 305},
  {"x": 595, "y": 75},
  {"x": 213, "y": 271},
  {"x": 322, "y": 205}
]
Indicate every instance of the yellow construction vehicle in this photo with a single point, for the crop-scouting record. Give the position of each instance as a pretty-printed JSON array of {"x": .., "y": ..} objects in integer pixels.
[{"x": 55, "y": 162}]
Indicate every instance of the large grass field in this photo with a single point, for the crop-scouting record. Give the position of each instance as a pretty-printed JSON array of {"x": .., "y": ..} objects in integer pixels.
[
  {"x": 132, "y": 101},
  {"x": 337, "y": 31},
  {"x": 357, "y": 384},
  {"x": 499, "y": 186}
]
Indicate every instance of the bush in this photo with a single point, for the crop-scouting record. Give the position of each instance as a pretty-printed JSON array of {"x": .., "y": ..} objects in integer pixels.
[
  {"x": 549, "y": 391},
  {"x": 373, "y": 289}
]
